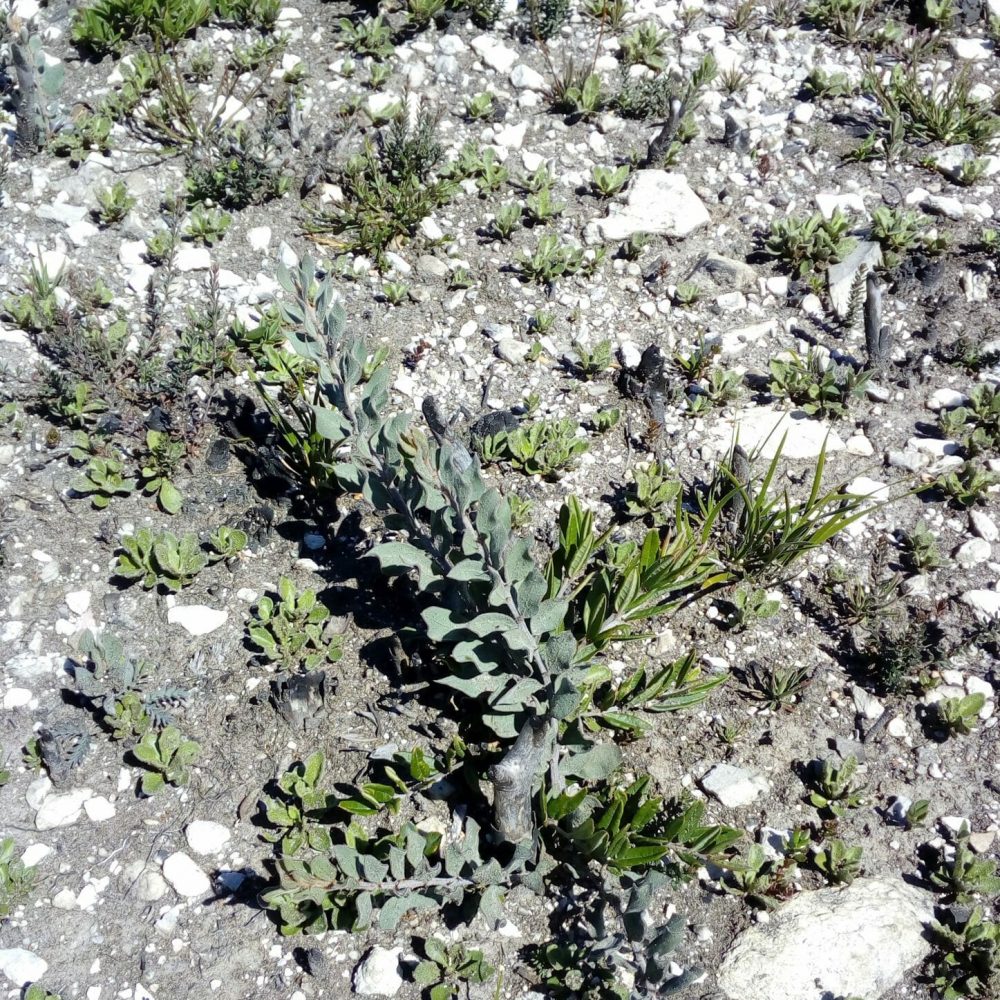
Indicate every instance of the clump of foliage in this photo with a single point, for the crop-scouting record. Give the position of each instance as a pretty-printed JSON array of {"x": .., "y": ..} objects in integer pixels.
[
  {"x": 516, "y": 641},
  {"x": 966, "y": 957},
  {"x": 445, "y": 966},
  {"x": 955, "y": 871},
  {"x": 161, "y": 559},
  {"x": 833, "y": 789},
  {"x": 809, "y": 244},
  {"x": 822, "y": 390},
  {"x": 16, "y": 880},
  {"x": 388, "y": 189},
  {"x": 291, "y": 631},
  {"x": 166, "y": 757}
]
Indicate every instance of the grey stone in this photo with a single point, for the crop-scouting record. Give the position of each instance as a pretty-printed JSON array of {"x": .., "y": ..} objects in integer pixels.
[
  {"x": 841, "y": 276},
  {"x": 431, "y": 267},
  {"x": 972, "y": 553},
  {"x": 733, "y": 786},
  {"x": 858, "y": 941},
  {"x": 985, "y": 604},
  {"x": 798, "y": 436},
  {"x": 983, "y": 526},
  {"x": 724, "y": 272}
]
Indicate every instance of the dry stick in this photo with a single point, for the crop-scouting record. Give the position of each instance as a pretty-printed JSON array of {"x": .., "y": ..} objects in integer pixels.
[
  {"x": 513, "y": 778},
  {"x": 26, "y": 136}
]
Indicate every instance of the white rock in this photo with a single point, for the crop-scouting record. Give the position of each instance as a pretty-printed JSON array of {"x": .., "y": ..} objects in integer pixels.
[
  {"x": 896, "y": 728},
  {"x": 99, "y": 808},
  {"x": 734, "y": 342},
  {"x": 761, "y": 430},
  {"x": 132, "y": 253},
  {"x": 724, "y": 272},
  {"x": 946, "y": 399},
  {"x": 867, "y": 704},
  {"x": 512, "y": 351},
  {"x": 657, "y": 202},
  {"x": 954, "y": 824},
  {"x": 525, "y": 78},
  {"x": 65, "y": 899},
  {"x": 854, "y": 941},
  {"x": 204, "y": 836},
  {"x": 21, "y": 966},
  {"x": 378, "y": 974},
  {"x": 976, "y": 685},
  {"x": 972, "y": 553},
  {"x": 840, "y": 277},
  {"x": 871, "y": 489},
  {"x": 35, "y": 854},
  {"x": 971, "y": 49},
  {"x": 847, "y": 203},
  {"x": 983, "y": 526},
  {"x": 191, "y": 258},
  {"x": 197, "y": 619},
  {"x": 950, "y": 208},
  {"x": 859, "y": 445},
  {"x": 78, "y": 601},
  {"x": 733, "y": 786},
  {"x": 984, "y": 603},
  {"x": 259, "y": 238},
  {"x": 496, "y": 55},
  {"x": 61, "y": 809},
  {"x": 17, "y": 698},
  {"x": 184, "y": 875},
  {"x": 37, "y": 791},
  {"x": 512, "y": 136},
  {"x": 151, "y": 886}
]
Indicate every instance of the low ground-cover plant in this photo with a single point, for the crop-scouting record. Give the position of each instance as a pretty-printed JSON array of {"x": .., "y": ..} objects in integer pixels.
[
  {"x": 290, "y": 632},
  {"x": 516, "y": 645}
]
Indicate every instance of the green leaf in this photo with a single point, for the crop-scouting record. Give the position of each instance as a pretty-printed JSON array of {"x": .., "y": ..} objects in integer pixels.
[
  {"x": 170, "y": 498},
  {"x": 395, "y": 908},
  {"x": 401, "y": 557},
  {"x": 549, "y": 617},
  {"x": 435, "y": 950},
  {"x": 330, "y": 424},
  {"x": 595, "y": 764},
  {"x": 442, "y": 992},
  {"x": 426, "y": 974}
]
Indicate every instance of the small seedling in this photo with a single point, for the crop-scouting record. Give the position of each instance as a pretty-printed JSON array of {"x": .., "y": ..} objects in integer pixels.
[
  {"x": 757, "y": 878},
  {"x": 16, "y": 880},
  {"x": 506, "y": 220},
  {"x": 608, "y": 181},
  {"x": 480, "y": 106},
  {"x": 959, "y": 874},
  {"x": 916, "y": 815},
  {"x": 839, "y": 863},
  {"x": 167, "y": 757},
  {"x": 447, "y": 965},
  {"x": 958, "y": 716},
  {"x": 749, "y": 605},
  {"x": 395, "y": 292},
  {"x": 591, "y": 361},
  {"x": 290, "y": 632},
  {"x": 115, "y": 203},
  {"x": 966, "y": 957},
  {"x": 823, "y": 390},
  {"x": 777, "y": 687},
  {"x": 810, "y": 244},
  {"x": 833, "y": 791},
  {"x": 160, "y": 558},
  {"x": 226, "y": 542},
  {"x": 207, "y": 225},
  {"x": 654, "y": 488},
  {"x": 165, "y": 455},
  {"x": 102, "y": 480}
]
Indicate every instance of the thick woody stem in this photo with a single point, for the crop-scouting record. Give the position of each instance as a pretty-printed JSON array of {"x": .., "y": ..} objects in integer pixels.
[{"x": 513, "y": 778}]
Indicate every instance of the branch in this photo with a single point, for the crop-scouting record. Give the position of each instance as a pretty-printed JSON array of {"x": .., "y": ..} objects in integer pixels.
[{"x": 513, "y": 778}]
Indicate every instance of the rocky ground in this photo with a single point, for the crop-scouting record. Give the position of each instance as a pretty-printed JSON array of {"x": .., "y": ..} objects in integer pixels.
[{"x": 863, "y": 335}]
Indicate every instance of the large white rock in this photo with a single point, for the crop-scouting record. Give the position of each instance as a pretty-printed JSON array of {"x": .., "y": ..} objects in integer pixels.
[
  {"x": 857, "y": 941},
  {"x": 206, "y": 837},
  {"x": 378, "y": 974},
  {"x": 985, "y": 604},
  {"x": 733, "y": 786},
  {"x": 761, "y": 430},
  {"x": 197, "y": 619},
  {"x": 657, "y": 202},
  {"x": 184, "y": 875},
  {"x": 62, "y": 809},
  {"x": 21, "y": 966}
]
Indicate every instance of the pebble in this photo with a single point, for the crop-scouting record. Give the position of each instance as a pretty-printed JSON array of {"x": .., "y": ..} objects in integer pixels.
[
  {"x": 78, "y": 601},
  {"x": 259, "y": 238},
  {"x": 35, "y": 854},
  {"x": 204, "y": 836},
  {"x": 99, "y": 809},
  {"x": 525, "y": 78},
  {"x": 184, "y": 875},
  {"x": 21, "y": 966},
  {"x": 658, "y": 202},
  {"x": 495, "y": 54},
  {"x": 733, "y": 786},
  {"x": 192, "y": 258},
  {"x": 17, "y": 698},
  {"x": 896, "y": 728},
  {"x": 197, "y": 619},
  {"x": 151, "y": 886},
  {"x": 971, "y": 49},
  {"x": 973, "y": 552},
  {"x": 61, "y": 809},
  {"x": 984, "y": 603},
  {"x": 983, "y": 526},
  {"x": 378, "y": 974},
  {"x": 946, "y": 399}
]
